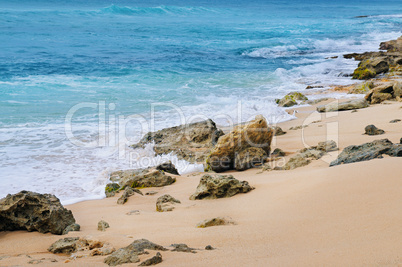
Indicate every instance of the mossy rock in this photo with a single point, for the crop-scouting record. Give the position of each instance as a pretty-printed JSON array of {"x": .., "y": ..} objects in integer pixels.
[
  {"x": 362, "y": 88},
  {"x": 363, "y": 73},
  {"x": 111, "y": 189},
  {"x": 291, "y": 98}
]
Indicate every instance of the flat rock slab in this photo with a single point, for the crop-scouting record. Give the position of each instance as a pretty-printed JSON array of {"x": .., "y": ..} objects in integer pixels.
[{"x": 348, "y": 105}]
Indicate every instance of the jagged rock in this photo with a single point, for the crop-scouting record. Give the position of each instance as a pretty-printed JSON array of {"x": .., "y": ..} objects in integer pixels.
[
  {"x": 367, "y": 151},
  {"x": 278, "y": 153},
  {"x": 219, "y": 186},
  {"x": 166, "y": 203},
  {"x": 372, "y": 130},
  {"x": 278, "y": 130},
  {"x": 361, "y": 88},
  {"x": 395, "y": 121},
  {"x": 385, "y": 91},
  {"x": 255, "y": 133},
  {"x": 395, "y": 150},
  {"x": 370, "y": 67},
  {"x": 347, "y": 105},
  {"x": 209, "y": 247},
  {"x": 130, "y": 253},
  {"x": 152, "y": 261},
  {"x": 168, "y": 167},
  {"x": 106, "y": 249},
  {"x": 102, "y": 225},
  {"x": 34, "y": 212},
  {"x": 111, "y": 189},
  {"x": 71, "y": 228},
  {"x": 191, "y": 142},
  {"x": 392, "y": 46},
  {"x": 128, "y": 192},
  {"x": 215, "y": 222},
  {"x": 291, "y": 99},
  {"x": 326, "y": 146},
  {"x": 142, "y": 178},
  {"x": 249, "y": 158},
  {"x": 183, "y": 248},
  {"x": 66, "y": 245}
]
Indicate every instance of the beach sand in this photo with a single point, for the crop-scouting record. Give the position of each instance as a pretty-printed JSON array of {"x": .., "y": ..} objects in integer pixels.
[{"x": 347, "y": 215}]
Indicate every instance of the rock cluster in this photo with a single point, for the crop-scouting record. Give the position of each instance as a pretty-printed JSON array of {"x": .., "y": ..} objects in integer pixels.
[
  {"x": 219, "y": 186},
  {"x": 34, "y": 212},
  {"x": 368, "y": 151},
  {"x": 191, "y": 142},
  {"x": 255, "y": 133},
  {"x": 384, "y": 91}
]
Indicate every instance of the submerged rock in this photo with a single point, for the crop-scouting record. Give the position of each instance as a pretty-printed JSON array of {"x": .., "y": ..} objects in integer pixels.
[
  {"x": 215, "y": 222},
  {"x": 191, "y": 142},
  {"x": 372, "y": 130},
  {"x": 255, "y": 133},
  {"x": 291, "y": 99},
  {"x": 367, "y": 151},
  {"x": 34, "y": 212},
  {"x": 166, "y": 203},
  {"x": 347, "y": 105},
  {"x": 168, "y": 167},
  {"x": 152, "y": 261},
  {"x": 219, "y": 186}
]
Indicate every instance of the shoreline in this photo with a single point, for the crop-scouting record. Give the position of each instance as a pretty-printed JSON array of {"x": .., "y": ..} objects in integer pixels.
[{"x": 313, "y": 215}]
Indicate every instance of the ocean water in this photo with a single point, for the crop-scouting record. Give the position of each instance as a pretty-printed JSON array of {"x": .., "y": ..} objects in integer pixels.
[{"x": 80, "y": 82}]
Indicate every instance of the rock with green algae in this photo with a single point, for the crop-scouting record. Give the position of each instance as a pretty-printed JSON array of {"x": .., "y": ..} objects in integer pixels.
[
  {"x": 291, "y": 99},
  {"x": 369, "y": 68},
  {"x": 111, "y": 189},
  {"x": 362, "y": 88}
]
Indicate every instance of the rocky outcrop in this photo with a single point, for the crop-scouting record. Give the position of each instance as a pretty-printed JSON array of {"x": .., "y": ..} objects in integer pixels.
[
  {"x": 168, "y": 167},
  {"x": 191, "y": 142},
  {"x": 372, "y": 130},
  {"x": 249, "y": 158},
  {"x": 347, "y": 105},
  {"x": 142, "y": 178},
  {"x": 368, "y": 151},
  {"x": 166, "y": 203},
  {"x": 384, "y": 91},
  {"x": 374, "y": 63},
  {"x": 102, "y": 225},
  {"x": 215, "y": 222},
  {"x": 255, "y": 133},
  {"x": 182, "y": 248},
  {"x": 291, "y": 99},
  {"x": 34, "y": 212},
  {"x": 130, "y": 253},
  {"x": 152, "y": 261},
  {"x": 219, "y": 186}
]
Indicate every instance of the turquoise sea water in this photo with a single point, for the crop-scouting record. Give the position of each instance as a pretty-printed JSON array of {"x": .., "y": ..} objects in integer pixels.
[{"x": 226, "y": 60}]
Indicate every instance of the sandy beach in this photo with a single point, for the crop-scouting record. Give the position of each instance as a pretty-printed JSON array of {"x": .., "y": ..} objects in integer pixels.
[{"x": 346, "y": 215}]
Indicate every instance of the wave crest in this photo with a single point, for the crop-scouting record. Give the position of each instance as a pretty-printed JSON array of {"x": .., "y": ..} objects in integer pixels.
[{"x": 159, "y": 10}]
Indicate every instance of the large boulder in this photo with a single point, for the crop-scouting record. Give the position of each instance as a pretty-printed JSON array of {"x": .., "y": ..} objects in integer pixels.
[
  {"x": 255, "y": 133},
  {"x": 384, "y": 91},
  {"x": 219, "y": 186},
  {"x": 34, "y": 212},
  {"x": 369, "y": 68},
  {"x": 191, "y": 142},
  {"x": 347, "y": 105},
  {"x": 367, "y": 151}
]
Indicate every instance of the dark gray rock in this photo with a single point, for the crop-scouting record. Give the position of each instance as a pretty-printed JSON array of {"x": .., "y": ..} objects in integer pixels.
[
  {"x": 152, "y": 261},
  {"x": 168, "y": 167},
  {"x": 395, "y": 150},
  {"x": 209, "y": 247},
  {"x": 34, "y": 212},
  {"x": 219, "y": 186},
  {"x": 183, "y": 248},
  {"x": 395, "y": 121},
  {"x": 372, "y": 130},
  {"x": 367, "y": 151}
]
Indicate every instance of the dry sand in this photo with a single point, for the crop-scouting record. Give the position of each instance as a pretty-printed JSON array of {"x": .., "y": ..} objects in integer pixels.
[{"x": 348, "y": 215}]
